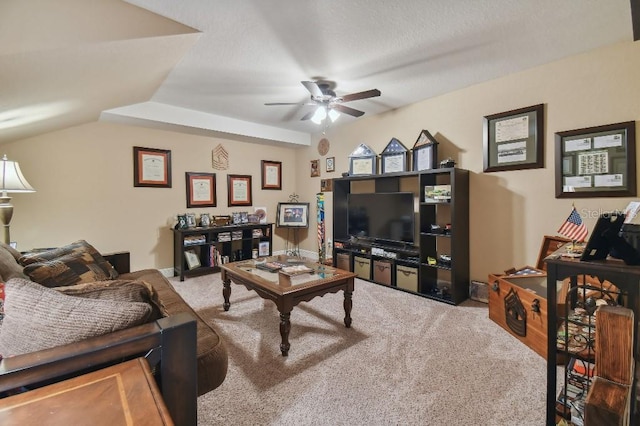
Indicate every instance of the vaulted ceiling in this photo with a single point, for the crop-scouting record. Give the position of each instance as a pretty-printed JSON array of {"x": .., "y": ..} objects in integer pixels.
[{"x": 209, "y": 66}]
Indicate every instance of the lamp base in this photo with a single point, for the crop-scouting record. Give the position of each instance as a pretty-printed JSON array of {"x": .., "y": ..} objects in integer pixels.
[{"x": 6, "y": 213}]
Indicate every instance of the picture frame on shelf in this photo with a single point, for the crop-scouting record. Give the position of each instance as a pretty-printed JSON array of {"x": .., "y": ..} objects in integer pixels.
[
  {"x": 151, "y": 167},
  {"x": 363, "y": 161},
  {"x": 596, "y": 161},
  {"x": 239, "y": 190},
  {"x": 193, "y": 261},
  {"x": 191, "y": 220},
  {"x": 201, "y": 189},
  {"x": 271, "y": 174},
  {"x": 205, "y": 220},
  {"x": 182, "y": 222},
  {"x": 331, "y": 164},
  {"x": 514, "y": 140},
  {"x": 425, "y": 152},
  {"x": 292, "y": 215},
  {"x": 315, "y": 168},
  {"x": 394, "y": 157}
]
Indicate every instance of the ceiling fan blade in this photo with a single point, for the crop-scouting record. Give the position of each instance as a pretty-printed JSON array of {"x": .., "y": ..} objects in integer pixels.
[
  {"x": 313, "y": 88},
  {"x": 361, "y": 95},
  {"x": 308, "y": 115},
  {"x": 285, "y": 103},
  {"x": 346, "y": 110}
]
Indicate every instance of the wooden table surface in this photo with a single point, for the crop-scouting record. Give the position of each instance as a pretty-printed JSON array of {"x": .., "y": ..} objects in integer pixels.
[{"x": 123, "y": 394}]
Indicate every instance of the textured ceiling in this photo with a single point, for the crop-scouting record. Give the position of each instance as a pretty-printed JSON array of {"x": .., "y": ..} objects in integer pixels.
[{"x": 213, "y": 64}]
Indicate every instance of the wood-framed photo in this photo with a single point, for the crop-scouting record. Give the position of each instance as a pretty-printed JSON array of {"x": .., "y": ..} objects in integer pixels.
[
  {"x": 425, "y": 152},
  {"x": 151, "y": 167},
  {"x": 596, "y": 161},
  {"x": 326, "y": 185},
  {"x": 201, "y": 189},
  {"x": 315, "y": 168},
  {"x": 271, "y": 174},
  {"x": 239, "y": 190},
  {"x": 514, "y": 140},
  {"x": 292, "y": 215},
  {"x": 331, "y": 164}
]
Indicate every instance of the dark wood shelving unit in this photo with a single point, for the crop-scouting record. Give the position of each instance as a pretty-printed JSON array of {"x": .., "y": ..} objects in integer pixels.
[
  {"x": 449, "y": 284},
  {"x": 216, "y": 245}
]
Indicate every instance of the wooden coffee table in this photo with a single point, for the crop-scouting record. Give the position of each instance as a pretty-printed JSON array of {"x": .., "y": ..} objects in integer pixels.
[{"x": 285, "y": 290}]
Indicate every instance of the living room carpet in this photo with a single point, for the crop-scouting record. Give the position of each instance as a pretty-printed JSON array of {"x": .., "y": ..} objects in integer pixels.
[{"x": 406, "y": 360}]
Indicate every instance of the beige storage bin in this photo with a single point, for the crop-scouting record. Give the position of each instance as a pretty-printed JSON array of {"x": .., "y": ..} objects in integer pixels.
[
  {"x": 382, "y": 272},
  {"x": 362, "y": 267},
  {"x": 407, "y": 277}
]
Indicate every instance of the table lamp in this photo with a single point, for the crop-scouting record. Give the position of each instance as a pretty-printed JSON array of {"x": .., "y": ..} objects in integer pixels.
[{"x": 11, "y": 180}]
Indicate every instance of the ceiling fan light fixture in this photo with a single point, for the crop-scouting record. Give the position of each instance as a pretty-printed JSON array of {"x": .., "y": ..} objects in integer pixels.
[
  {"x": 319, "y": 116},
  {"x": 333, "y": 115}
]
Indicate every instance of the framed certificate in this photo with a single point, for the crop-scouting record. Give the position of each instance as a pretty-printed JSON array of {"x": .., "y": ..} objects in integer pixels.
[
  {"x": 596, "y": 161},
  {"x": 239, "y": 190},
  {"x": 362, "y": 166},
  {"x": 425, "y": 152},
  {"x": 151, "y": 167},
  {"x": 201, "y": 189},
  {"x": 271, "y": 174}
]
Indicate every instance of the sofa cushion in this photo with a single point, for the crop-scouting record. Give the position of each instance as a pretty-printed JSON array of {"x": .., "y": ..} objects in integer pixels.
[
  {"x": 68, "y": 269},
  {"x": 9, "y": 267},
  {"x": 82, "y": 249},
  {"x": 37, "y": 317},
  {"x": 212, "y": 358}
]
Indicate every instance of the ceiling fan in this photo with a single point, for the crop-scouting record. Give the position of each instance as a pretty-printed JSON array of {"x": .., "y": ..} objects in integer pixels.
[{"x": 327, "y": 102}]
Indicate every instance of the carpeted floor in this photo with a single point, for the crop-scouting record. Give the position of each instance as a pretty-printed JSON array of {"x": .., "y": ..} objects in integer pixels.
[{"x": 406, "y": 360}]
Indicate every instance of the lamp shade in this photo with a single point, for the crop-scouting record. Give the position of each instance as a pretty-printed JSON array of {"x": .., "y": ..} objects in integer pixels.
[{"x": 11, "y": 178}]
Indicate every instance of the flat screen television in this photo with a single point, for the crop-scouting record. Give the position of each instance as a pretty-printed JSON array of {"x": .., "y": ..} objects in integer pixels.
[{"x": 383, "y": 216}]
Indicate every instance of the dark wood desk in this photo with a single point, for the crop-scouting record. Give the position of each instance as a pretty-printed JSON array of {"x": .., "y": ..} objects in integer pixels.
[
  {"x": 626, "y": 278},
  {"x": 123, "y": 394},
  {"x": 286, "y": 292}
]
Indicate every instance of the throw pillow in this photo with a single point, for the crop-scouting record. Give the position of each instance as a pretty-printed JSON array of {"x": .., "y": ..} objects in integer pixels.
[
  {"x": 38, "y": 317},
  {"x": 9, "y": 267},
  {"x": 119, "y": 290},
  {"x": 78, "y": 247},
  {"x": 68, "y": 269}
]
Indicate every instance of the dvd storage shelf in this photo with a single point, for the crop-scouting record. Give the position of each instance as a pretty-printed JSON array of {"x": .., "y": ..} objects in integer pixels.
[
  {"x": 200, "y": 251},
  {"x": 434, "y": 262},
  {"x": 572, "y": 338}
]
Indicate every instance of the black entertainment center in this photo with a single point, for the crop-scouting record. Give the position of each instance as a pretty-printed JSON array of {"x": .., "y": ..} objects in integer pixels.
[{"x": 407, "y": 230}]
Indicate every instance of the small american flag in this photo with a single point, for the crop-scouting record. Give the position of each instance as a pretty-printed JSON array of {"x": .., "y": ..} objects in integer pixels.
[{"x": 574, "y": 228}]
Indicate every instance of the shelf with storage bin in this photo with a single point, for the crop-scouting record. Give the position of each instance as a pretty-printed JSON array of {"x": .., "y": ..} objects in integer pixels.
[
  {"x": 408, "y": 264},
  {"x": 200, "y": 251}
]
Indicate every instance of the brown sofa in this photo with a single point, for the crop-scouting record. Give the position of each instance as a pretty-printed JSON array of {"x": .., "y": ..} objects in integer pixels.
[{"x": 85, "y": 265}]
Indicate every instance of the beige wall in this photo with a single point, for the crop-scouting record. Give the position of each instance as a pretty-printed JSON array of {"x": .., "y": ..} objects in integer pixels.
[
  {"x": 510, "y": 211},
  {"x": 84, "y": 182},
  {"x": 83, "y": 175}
]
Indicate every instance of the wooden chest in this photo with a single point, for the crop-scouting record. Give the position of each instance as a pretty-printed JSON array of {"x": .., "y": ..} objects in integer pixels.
[
  {"x": 407, "y": 277},
  {"x": 519, "y": 305},
  {"x": 362, "y": 267},
  {"x": 382, "y": 272}
]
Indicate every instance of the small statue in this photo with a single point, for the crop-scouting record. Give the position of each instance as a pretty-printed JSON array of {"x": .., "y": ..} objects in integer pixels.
[{"x": 447, "y": 163}]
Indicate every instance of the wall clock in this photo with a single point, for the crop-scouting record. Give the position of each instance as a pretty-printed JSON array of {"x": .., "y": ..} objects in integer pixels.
[{"x": 323, "y": 146}]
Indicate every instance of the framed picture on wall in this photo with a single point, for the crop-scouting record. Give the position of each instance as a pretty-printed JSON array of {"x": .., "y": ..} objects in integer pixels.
[
  {"x": 239, "y": 190},
  {"x": 514, "y": 140},
  {"x": 201, "y": 189},
  {"x": 271, "y": 174},
  {"x": 151, "y": 167},
  {"x": 596, "y": 161}
]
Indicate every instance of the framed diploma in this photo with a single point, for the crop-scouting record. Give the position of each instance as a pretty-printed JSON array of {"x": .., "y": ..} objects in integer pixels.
[
  {"x": 363, "y": 161},
  {"x": 425, "y": 152},
  {"x": 201, "y": 189},
  {"x": 151, "y": 167},
  {"x": 514, "y": 140},
  {"x": 331, "y": 164},
  {"x": 393, "y": 157},
  {"x": 271, "y": 174},
  {"x": 239, "y": 190},
  {"x": 596, "y": 161}
]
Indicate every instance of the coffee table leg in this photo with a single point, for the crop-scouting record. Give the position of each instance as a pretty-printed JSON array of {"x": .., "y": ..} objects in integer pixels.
[
  {"x": 226, "y": 293},
  {"x": 285, "y": 327},
  {"x": 347, "y": 308}
]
